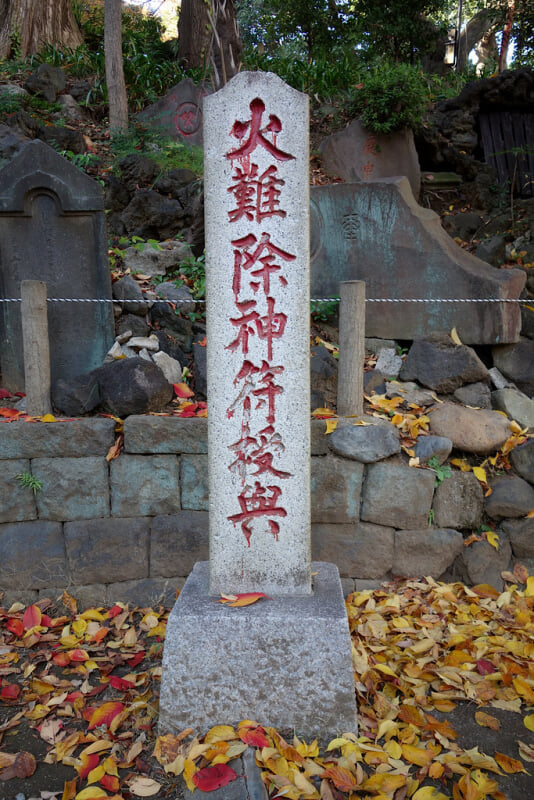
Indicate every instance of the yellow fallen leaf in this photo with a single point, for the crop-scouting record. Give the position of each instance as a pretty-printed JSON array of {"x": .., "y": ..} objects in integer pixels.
[
  {"x": 487, "y": 721},
  {"x": 49, "y": 418},
  {"x": 220, "y": 733},
  {"x": 91, "y": 793},
  {"x": 429, "y": 793},
  {"x": 528, "y": 722},
  {"x": 529, "y": 589},
  {"x": 509, "y": 765},
  {"x": 455, "y": 338},
  {"x": 331, "y": 425},
  {"x": 493, "y": 539},
  {"x": 480, "y": 474},
  {"x": 530, "y": 514},
  {"x": 463, "y": 465}
]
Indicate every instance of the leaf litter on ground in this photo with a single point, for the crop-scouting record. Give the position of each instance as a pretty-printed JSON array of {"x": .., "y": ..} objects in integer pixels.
[{"x": 87, "y": 684}]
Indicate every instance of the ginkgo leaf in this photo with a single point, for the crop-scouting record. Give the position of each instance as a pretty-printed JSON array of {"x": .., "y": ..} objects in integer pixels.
[
  {"x": 528, "y": 722},
  {"x": 331, "y": 425},
  {"x": 480, "y": 474},
  {"x": 493, "y": 539}
]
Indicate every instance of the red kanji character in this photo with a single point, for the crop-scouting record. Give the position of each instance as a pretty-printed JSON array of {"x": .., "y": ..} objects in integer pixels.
[
  {"x": 257, "y": 503},
  {"x": 370, "y": 146},
  {"x": 245, "y": 259},
  {"x": 244, "y": 323},
  {"x": 257, "y": 197},
  {"x": 368, "y": 169},
  {"x": 258, "y": 451},
  {"x": 256, "y": 134},
  {"x": 252, "y": 377},
  {"x": 270, "y": 326}
]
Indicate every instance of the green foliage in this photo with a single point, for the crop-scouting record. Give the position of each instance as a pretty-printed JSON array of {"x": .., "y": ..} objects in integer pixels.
[
  {"x": 137, "y": 242},
  {"x": 80, "y": 160},
  {"x": 324, "y": 310},
  {"x": 392, "y": 97},
  {"x": 167, "y": 152},
  {"x": 442, "y": 471},
  {"x": 29, "y": 481}
]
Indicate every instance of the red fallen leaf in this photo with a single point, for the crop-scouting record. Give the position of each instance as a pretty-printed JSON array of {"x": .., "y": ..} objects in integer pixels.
[
  {"x": 187, "y": 413},
  {"x": 9, "y": 413},
  {"x": 121, "y": 683},
  {"x": 72, "y": 696},
  {"x": 182, "y": 390},
  {"x": 15, "y": 626},
  {"x": 214, "y": 777},
  {"x": 61, "y": 659},
  {"x": 31, "y": 617},
  {"x": 115, "y": 611},
  {"x": 96, "y": 690},
  {"x": 202, "y": 342},
  {"x": 485, "y": 667},
  {"x": 23, "y": 766},
  {"x": 46, "y": 621},
  {"x": 89, "y": 762},
  {"x": 239, "y": 600},
  {"x": 103, "y": 715},
  {"x": 110, "y": 782},
  {"x": 19, "y": 394},
  {"x": 78, "y": 654},
  {"x": 10, "y": 692},
  {"x": 255, "y": 737},
  {"x": 4, "y": 393},
  {"x": 136, "y": 659}
]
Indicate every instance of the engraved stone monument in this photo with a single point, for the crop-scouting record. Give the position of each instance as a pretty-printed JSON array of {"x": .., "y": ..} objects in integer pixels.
[
  {"x": 53, "y": 229},
  {"x": 179, "y": 114},
  {"x": 287, "y": 659}
]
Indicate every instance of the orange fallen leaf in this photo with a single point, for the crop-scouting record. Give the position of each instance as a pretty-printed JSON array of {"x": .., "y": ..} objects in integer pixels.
[
  {"x": 103, "y": 715},
  {"x": 509, "y": 765},
  {"x": 487, "y": 721},
  {"x": 240, "y": 600},
  {"x": 182, "y": 390}
]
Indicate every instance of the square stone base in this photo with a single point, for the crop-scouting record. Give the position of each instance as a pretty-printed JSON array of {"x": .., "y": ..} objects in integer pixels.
[{"x": 284, "y": 661}]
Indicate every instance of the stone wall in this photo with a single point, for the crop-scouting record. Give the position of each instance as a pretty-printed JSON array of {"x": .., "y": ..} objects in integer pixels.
[{"x": 131, "y": 529}]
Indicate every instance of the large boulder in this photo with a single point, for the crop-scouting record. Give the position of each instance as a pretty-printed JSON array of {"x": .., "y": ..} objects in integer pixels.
[
  {"x": 46, "y": 80},
  {"x": 440, "y": 364},
  {"x": 473, "y": 430}
]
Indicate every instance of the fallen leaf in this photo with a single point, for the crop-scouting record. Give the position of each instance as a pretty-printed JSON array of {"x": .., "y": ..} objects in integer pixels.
[
  {"x": 455, "y": 338},
  {"x": 211, "y": 778},
  {"x": 528, "y": 722},
  {"x": 22, "y": 766},
  {"x": 104, "y": 714},
  {"x": 487, "y": 721},
  {"x": 245, "y": 599},
  {"x": 32, "y": 617},
  {"x": 509, "y": 765},
  {"x": 143, "y": 787},
  {"x": 182, "y": 390}
]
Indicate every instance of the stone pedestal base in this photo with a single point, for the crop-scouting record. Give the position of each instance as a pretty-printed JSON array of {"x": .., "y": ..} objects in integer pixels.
[{"x": 284, "y": 662}]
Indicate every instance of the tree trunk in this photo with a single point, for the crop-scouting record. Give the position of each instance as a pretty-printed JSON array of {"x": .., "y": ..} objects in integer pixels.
[
  {"x": 26, "y": 25},
  {"x": 208, "y": 35},
  {"x": 117, "y": 97},
  {"x": 479, "y": 27},
  {"x": 507, "y": 31}
]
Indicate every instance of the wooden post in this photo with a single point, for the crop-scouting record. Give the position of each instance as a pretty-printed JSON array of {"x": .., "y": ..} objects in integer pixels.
[
  {"x": 36, "y": 348},
  {"x": 351, "y": 348}
]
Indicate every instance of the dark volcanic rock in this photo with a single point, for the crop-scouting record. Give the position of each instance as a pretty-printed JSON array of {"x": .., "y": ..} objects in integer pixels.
[
  {"x": 46, "y": 80},
  {"x": 442, "y": 365}
]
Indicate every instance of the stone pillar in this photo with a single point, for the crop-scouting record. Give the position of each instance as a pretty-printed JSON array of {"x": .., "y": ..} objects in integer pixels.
[{"x": 286, "y": 660}]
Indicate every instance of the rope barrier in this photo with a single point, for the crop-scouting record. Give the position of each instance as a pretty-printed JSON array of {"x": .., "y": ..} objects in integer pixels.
[{"x": 313, "y": 300}]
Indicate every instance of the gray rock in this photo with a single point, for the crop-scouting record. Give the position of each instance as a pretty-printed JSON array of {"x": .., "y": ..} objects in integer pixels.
[
  {"x": 373, "y": 383},
  {"x": 131, "y": 322},
  {"x": 70, "y": 108},
  {"x": 177, "y": 542},
  {"x": 498, "y": 379},
  {"x": 13, "y": 90},
  {"x": 397, "y": 495},
  {"x": 323, "y": 375},
  {"x": 440, "y": 364},
  {"x": 474, "y": 430},
  {"x": 46, "y": 80},
  {"x": 128, "y": 386},
  {"x": 10, "y": 144},
  {"x": 510, "y": 497},
  {"x": 335, "y": 489},
  {"x": 81, "y": 437},
  {"x": 107, "y": 550},
  {"x": 194, "y": 482},
  {"x": 492, "y": 250},
  {"x": 521, "y": 534},
  {"x": 458, "y": 502},
  {"x": 117, "y": 197},
  {"x": 127, "y": 289},
  {"x": 388, "y": 362},
  {"x": 32, "y": 555},
  {"x": 144, "y": 485},
  {"x": 152, "y": 216},
  {"x": 17, "y": 502},
  {"x": 410, "y": 392},
  {"x": 373, "y": 345},
  {"x": 474, "y": 394},
  {"x": 145, "y": 434},
  {"x": 137, "y": 170},
  {"x": 171, "y": 368},
  {"x": 73, "y": 488},
  {"x": 150, "y": 343},
  {"x": 482, "y": 563},
  {"x": 426, "y": 551},
  {"x": 181, "y": 295},
  {"x": 361, "y": 549},
  {"x": 173, "y": 181},
  {"x": 162, "y": 315},
  {"x": 201, "y": 369},
  {"x": 61, "y": 138},
  {"x": 428, "y": 447},
  {"x": 169, "y": 345},
  {"x": 462, "y": 225},
  {"x": 366, "y": 443},
  {"x": 515, "y": 405},
  {"x": 516, "y": 362},
  {"x": 149, "y": 260},
  {"x": 522, "y": 460}
]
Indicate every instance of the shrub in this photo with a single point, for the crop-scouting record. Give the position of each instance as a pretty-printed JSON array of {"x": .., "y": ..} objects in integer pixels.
[{"x": 391, "y": 97}]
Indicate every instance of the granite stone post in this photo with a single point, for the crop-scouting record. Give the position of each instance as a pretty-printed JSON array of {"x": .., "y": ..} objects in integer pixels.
[{"x": 285, "y": 661}]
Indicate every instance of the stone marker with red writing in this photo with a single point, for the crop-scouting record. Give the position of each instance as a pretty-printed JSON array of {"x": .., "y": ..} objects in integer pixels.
[{"x": 286, "y": 659}]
